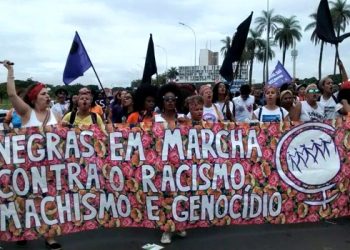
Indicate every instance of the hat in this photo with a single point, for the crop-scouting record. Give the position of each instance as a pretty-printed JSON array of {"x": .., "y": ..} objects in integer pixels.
[
  {"x": 283, "y": 93},
  {"x": 61, "y": 90}
]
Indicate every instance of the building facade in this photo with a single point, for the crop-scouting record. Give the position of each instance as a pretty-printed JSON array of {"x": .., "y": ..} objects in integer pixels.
[{"x": 208, "y": 70}]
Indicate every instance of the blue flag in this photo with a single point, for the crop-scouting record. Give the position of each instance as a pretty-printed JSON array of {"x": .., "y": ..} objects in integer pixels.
[
  {"x": 279, "y": 76},
  {"x": 78, "y": 61}
]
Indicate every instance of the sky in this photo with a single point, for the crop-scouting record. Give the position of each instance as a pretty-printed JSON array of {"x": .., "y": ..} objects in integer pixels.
[{"x": 37, "y": 36}]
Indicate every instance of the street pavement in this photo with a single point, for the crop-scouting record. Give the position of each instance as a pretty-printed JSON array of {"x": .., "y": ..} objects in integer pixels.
[{"x": 333, "y": 235}]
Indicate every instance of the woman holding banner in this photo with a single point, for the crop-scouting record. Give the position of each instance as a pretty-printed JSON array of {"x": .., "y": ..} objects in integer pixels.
[
  {"x": 34, "y": 110},
  {"x": 271, "y": 112}
]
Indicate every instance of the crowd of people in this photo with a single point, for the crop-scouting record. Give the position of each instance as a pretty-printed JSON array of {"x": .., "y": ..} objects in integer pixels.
[{"x": 174, "y": 103}]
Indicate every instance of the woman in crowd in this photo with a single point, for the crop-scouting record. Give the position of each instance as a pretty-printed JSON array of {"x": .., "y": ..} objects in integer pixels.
[
  {"x": 73, "y": 103},
  {"x": 222, "y": 97},
  {"x": 301, "y": 92},
  {"x": 144, "y": 104},
  {"x": 271, "y": 112},
  {"x": 211, "y": 112},
  {"x": 287, "y": 101},
  {"x": 60, "y": 108},
  {"x": 83, "y": 115},
  {"x": 309, "y": 110},
  {"x": 243, "y": 104},
  {"x": 34, "y": 110},
  {"x": 121, "y": 113},
  {"x": 168, "y": 101},
  {"x": 328, "y": 100},
  {"x": 195, "y": 105}
]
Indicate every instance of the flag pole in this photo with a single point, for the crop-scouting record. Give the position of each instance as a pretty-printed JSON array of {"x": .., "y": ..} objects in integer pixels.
[{"x": 98, "y": 79}]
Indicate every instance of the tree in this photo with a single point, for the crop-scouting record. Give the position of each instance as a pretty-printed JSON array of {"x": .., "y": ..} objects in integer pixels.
[
  {"x": 227, "y": 44},
  {"x": 314, "y": 38},
  {"x": 267, "y": 22},
  {"x": 172, "y": 73},
  {"x": 287, "y": 34},
  {"x": 254, "y": 43},
  {"x": 340, "y": 12},
  {"x": 261, "y": 54}
]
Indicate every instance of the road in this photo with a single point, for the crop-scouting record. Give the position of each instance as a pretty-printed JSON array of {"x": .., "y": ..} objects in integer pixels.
[{"x": 333, "y": 235}]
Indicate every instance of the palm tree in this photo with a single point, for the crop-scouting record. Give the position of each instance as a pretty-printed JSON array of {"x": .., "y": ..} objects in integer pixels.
[
  {"x": 254, "y": 42},
  {"x": 172, "y": 73},
  {"x": 261, "y": 55},
  {"x": 287, "y": 34},
  {"x": 227, "y": 45},
  {"x": 267, "y": 22},
  {"x": 314, "y": 38},
  {"x": 340, "y": 12}
]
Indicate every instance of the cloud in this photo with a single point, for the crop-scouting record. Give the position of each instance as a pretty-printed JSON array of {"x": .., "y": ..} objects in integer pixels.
[{"x": 37, "y": 35}]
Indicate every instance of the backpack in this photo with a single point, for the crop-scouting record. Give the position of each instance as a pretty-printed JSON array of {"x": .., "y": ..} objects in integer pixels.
[
  {"x": 74, "y": 114},
  {"x": 260, "y": 113}
]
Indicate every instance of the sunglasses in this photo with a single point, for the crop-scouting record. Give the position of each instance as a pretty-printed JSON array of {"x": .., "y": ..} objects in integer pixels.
[
  {"x": 169, "y": 98},
  {"x": 313, "y": 91}
]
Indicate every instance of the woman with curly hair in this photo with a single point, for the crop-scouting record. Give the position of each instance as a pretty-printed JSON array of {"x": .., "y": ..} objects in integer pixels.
[
  {"x": 169, "y": 100},
  {"x": 144, "y": 104}
]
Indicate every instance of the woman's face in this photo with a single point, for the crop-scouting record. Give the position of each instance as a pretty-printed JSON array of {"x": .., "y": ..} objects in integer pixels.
[
  {"x": 43, "y": 99},
  {"x": 149, "y": 103},
  {"x": 196, "y": 111},
  {"x": 84, "y": 102},
  {"x": 312, "y": 94},
  {"x": 75, "y": 99},
  {"x": 169, "y": 101},
  {"x": 287, "y": 100},
  {"x": 271, "y": 95},
  {"x": 328, "y": 85},
  {"x": 208, "y": 95},
  {"x": 222, "y": 89},
  {"x": 127, "y": 100},
  {"x": 301, "y": 91}
]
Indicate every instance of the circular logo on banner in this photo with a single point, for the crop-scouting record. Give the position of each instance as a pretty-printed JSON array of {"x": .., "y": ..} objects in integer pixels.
[{"x": 307, "y": 159}]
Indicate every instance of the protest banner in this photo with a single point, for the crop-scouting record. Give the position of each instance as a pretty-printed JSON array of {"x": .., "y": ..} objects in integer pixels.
[{"x": 59, "y": 180}]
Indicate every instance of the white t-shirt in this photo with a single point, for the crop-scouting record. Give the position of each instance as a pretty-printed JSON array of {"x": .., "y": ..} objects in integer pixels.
[
  {"x": 59, "y": 109},
  {"x": 265, "y": 115},
  {"x": 330, "y": 107},
  {"x": 243, "y": 108},
  {"x": 212, "y": 114},
  {"x": 222, "y": 108},
  {"x": 308, "y": 113}
]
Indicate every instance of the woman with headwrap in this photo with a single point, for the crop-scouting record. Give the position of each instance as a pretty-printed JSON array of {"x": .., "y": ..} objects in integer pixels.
[{"x": 34, "y": 110}]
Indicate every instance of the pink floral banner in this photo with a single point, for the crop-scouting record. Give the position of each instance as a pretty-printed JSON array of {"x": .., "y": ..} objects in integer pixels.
[{"x": 59, "y": 180}]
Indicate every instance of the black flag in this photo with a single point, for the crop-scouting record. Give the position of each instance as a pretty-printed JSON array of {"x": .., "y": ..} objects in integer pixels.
[
  {"x": 234, "y": 53},
  {"x": 324, "y": 25},
  {"x": 150, "y": 63}
]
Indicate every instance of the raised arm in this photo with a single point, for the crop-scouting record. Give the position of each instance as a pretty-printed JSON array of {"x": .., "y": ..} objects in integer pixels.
[
  {"x": 342, "y": 70},
  {"x": 19, "y": 105}
]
